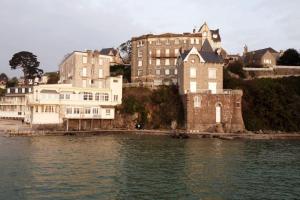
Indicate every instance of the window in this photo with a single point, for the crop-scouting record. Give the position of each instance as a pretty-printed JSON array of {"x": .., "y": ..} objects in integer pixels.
[
  {"x": 140, "y": 72},
  {"x": 140, "y": 54},
  {"x": 107, "y": 112},
  {"x": 167, "y": 52},
  {"x": 95, "y": 111},
  {"x": 157, "y": 71},
  {"x": 68, "y": 96},
  {"x": 158, "y": 62},
  {"x": 193, "y": 72},
  {"x": 175, "y": 71},
  {"x": 158, "y": 53},
  {"x": 215, "y": 36},
  {"x": 212, "y": 73},
  {"x": 212, "y": 87},
  {"x": 115, "y": 81},
  {"x": 158, "y": 42},
  {"x": 69, "y": 111},
  {"x": 192, "y": 40},
  {"x": 87, "y": 96},
  {"x": 176, "y": 51},
  {"x": 106, "y": 97},
  {"x": 167, "y": 62},
  {"x": 97, "y": 96},
  {"x": 100, "y": 61},
  {"x": 197, "y": 101},
  {"x": 84, "y": 72},
  {"x": 238, "y": 104},
  {"x": 87, "y": 111},
  {"x": 100, "y": 73},
  {"x": 167, "y": 72},
  {"x": 175, "y": 61},
  {"x": 84, "y": 59},
  {"x": 167, "y": 42},
  {"x": 197, "y": 41},
  {"x": 61, "y": 96},
  {"x": 150, "y": 61},
  {"x": 115, "y": 97},
  {"x": 76, "y": 111},
  {"x": 140, "y": 63},
  {"x": 193, "y": 86},
  {"x": 204, "y": 34},
  {"x": 36, "y": 109},
  {"x": 176, "y": 41}
]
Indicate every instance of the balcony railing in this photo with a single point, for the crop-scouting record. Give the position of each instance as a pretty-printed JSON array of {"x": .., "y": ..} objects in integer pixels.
[{"x": 218, "y": 91}]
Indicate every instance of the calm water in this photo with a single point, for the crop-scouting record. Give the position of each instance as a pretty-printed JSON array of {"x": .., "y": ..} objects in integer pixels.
[{"x": 147, "y": 167}]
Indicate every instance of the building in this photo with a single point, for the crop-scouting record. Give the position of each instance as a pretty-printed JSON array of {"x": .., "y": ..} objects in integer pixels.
[
  {"x": 208, "y": 107},
  {"x": 85, "y": 69},
  {"x": 64, "y": 104},
  {"x": 154, "y": 57},
  {"x": 84, "y": 100},
  {"x": 13, "y": 104},
  {"x": 260, "y": 58},
  {"x": 114, "y": 54}
]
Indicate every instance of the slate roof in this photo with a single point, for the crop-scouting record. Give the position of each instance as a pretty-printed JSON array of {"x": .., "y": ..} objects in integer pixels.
[
  {"x": 107, "y": 51},
  {"x": 263, "y": 51},
  {"x": 206, "y": 46},
  {"x": 206, "y": 53}
]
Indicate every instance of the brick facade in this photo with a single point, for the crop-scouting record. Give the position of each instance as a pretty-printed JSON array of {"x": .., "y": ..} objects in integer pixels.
[{"x": 203, "y": 118}]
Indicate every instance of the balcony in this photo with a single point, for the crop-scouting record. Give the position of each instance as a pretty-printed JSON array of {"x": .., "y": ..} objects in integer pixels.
[{"x": 218, "y": 91}]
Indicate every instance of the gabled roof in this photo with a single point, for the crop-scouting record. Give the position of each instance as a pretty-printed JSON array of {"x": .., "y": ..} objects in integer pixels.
[
  {"x": 206, "y": 46},
  {"x": 206, "y": 56},
  {"x": 108, "y": 51},
  {"x": 257, "y": 54}
]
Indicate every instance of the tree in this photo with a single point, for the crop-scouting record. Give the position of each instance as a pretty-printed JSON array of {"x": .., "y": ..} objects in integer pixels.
[
  {"x": 29, "y": 64},
  {"x": 125, "y": 51},
  {"x": 3, "y": 77},
  {"x": 53, "y": 77},
  {"x": 290, "y": 57},
  {"x": 12, "y": 82}
]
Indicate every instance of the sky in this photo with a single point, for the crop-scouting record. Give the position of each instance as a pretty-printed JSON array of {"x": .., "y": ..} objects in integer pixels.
[{"x": 52, "y": 28}]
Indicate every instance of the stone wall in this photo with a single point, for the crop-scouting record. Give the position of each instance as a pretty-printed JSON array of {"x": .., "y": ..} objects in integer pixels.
[
  {"x": 276, "y": 72},
  {"x": 203, "y": 118}
]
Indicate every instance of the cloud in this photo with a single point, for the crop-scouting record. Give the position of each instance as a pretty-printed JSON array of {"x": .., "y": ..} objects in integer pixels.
[{"x": 53, "y": 28}]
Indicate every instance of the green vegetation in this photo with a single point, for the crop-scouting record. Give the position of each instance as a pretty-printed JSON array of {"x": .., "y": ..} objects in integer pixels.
[
  {"x": 53, "y": 77},
  {"x": 12, "y": 82},
  {"x": 29, "y": 64},
  {"x": 2, "y": 92},
  {"x": 269, "y": 104},
  {"x": 237, "y": 68},
  {"x": 155, "y": 108},
  {"x": 290, "y": 57},
  {"x": 124, "y": 70}
]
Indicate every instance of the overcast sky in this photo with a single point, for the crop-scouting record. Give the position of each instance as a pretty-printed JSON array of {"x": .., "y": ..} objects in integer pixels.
[{"x": 52, "y": 28}]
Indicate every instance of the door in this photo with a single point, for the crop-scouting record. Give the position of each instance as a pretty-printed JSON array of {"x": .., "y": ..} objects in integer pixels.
[
  {"x": 212, "y": 87},
  {"x": 218, "y": 114}
]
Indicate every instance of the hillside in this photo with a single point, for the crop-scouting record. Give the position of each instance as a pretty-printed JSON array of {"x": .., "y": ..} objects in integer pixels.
[{"x": 269, "y": 104}]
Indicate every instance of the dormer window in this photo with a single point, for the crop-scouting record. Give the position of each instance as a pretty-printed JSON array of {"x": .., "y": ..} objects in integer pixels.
[
  {"x": 204, "y": 33},
  {"x": 215, "y": 36}
]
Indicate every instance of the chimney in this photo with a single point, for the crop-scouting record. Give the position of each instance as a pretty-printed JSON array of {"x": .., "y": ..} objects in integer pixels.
[{"x": 245, "y": 50}]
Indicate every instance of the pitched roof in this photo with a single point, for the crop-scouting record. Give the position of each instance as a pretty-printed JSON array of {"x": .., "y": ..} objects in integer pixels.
[
  {"x": 208, "y": 56},
  {"x": 206, "y": 46},
  {"x": 260, "y": 52},
  {"x": 107, "y": 51}
]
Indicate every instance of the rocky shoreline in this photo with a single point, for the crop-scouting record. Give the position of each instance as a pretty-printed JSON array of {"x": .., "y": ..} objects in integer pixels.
[{"x": 180, "y": 134}]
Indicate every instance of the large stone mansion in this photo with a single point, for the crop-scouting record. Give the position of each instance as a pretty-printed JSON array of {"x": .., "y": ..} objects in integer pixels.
[{"x": 154, "y": 57}]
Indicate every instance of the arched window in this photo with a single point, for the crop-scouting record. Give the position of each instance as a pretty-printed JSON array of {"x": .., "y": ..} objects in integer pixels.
[{"x": 197, "y": 101}]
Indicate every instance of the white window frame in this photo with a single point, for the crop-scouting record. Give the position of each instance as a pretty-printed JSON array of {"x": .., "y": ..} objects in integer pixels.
[
  {"x": 140, "y": 63},
  {"x": 84, "y": 59},
  {"x": 157, "y": 72},
  {"x": 212, "y": 73},
  {"x": 193, "y": 72},
  {"x": 167, "y": 61},
  {"x": 158, "y": 62},
  {"x": 100, "y": 73},
  {"x": 167, "y": 71}
]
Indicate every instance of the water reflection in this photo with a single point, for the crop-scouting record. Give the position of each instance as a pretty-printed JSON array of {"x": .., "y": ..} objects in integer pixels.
[{"x": 147, "y": 167}]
